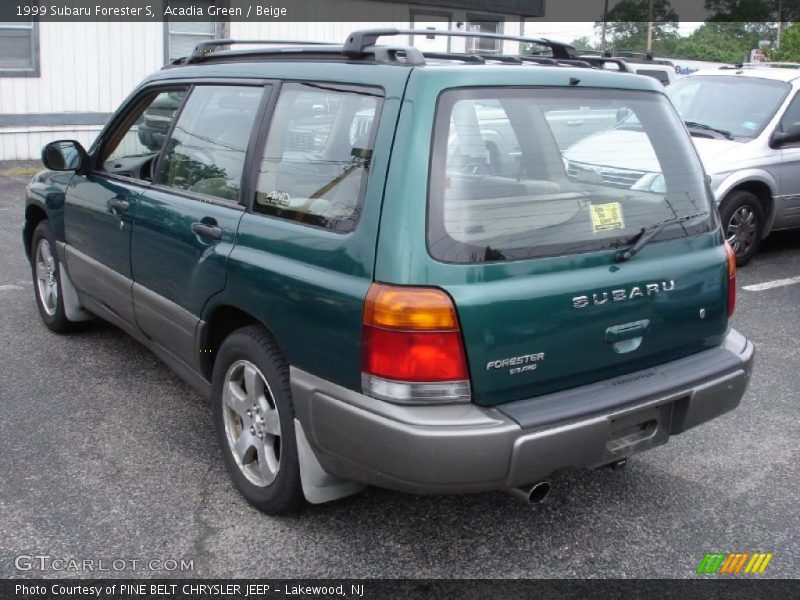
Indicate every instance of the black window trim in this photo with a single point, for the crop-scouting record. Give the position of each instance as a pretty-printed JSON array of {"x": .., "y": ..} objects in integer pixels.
[
  {"x": 263, "y": 134},
  {"x": 35, "y": 70}
]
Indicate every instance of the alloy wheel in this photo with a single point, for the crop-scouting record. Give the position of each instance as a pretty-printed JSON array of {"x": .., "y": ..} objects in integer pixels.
[
  {"x": 252, "y": 423},
  {"x": 46, "y": 282}
]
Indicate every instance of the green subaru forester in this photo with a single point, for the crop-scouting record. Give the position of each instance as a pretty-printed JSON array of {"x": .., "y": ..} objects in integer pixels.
[{"x": 392, "y": 268}]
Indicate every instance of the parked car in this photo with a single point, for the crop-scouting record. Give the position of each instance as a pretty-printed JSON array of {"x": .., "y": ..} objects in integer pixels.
[
  {"x": 660, "y": 69},
  {"x": 745, "y": 124},
  {"x": 385, "y": 306}
]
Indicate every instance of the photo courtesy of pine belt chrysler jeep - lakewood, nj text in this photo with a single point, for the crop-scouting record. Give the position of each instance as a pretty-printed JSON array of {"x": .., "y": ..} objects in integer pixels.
[{"x": 387, "y": 267}]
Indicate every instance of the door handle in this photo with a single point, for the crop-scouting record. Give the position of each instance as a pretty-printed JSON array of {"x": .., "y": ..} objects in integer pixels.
[
  {"x": 627, "y": 331},
  {"x": 119, "y": 204},
  {"x": 205, "y": 230}
]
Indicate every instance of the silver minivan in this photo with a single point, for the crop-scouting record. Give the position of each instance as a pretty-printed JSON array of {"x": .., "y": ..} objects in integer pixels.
[{"x": 745, "y": 124}]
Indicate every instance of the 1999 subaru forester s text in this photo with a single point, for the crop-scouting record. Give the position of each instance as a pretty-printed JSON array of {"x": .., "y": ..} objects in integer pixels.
[{"x": 381, "y": 269}]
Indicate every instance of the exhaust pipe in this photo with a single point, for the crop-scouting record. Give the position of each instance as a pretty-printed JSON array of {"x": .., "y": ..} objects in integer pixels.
[{"x": 533, "y": 493}]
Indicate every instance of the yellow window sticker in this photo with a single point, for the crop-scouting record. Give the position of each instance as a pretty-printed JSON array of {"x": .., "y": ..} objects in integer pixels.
[{"x": 607, "y": 216}]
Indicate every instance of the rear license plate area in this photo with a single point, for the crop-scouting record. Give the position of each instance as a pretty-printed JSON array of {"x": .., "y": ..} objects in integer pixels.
[{"x": 639, "y": 430}]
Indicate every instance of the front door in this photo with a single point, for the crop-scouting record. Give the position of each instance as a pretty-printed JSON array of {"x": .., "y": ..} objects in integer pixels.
[
  {"x": 788, "y": 213},
  {"x": 186, "y": 222},
  {"x": 100, "y": 206}
]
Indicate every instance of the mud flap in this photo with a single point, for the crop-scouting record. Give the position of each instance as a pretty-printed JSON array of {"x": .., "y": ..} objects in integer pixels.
[{"x": 319, "y": 486}]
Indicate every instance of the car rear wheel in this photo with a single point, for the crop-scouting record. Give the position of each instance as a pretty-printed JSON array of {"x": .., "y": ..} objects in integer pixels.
[
  {"x": 254, "y": 417},
  {"x": 743, "y": 223},
  {"x": 46, "y": 274}
]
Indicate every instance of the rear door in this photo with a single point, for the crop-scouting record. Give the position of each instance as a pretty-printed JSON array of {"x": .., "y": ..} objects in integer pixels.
[
  {"x": 186, "y": 222},
  {"x": 530, "y": 259}
]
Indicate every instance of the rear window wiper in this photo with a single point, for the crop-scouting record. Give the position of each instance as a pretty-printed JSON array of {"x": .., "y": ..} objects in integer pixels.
[
  {"x": 646, "y": 234},
  {"x": 696, "y": 125}
]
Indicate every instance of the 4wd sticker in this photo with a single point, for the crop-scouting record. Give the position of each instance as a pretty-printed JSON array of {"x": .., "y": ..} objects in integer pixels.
[
  {"x": 275, "y": 198},
  {"x": 607, "y": 216}
]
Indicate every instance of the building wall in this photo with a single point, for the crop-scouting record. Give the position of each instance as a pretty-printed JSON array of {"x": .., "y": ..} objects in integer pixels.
[{"x": 87, "y": 69}]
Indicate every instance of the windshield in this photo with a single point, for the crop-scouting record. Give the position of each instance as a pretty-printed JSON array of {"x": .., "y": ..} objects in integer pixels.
[
  {"x": 738, "y": 105},
  {"x": 524, "y": 173}
]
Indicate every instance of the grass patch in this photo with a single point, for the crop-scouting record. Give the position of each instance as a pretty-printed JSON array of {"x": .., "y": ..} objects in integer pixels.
[{"x": 19, "y": 171}]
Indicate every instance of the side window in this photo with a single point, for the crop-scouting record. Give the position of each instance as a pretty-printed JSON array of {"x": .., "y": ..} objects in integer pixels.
[
  {"x": 207, "y": 149},
  {"x": 317, "y": 155},
  {"x": 142, "y": 134},
  {"x": 792, "y": 114}
]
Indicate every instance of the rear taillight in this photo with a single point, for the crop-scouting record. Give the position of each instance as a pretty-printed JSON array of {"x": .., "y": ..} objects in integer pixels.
[
  {"x": 731, "y": 278},
  {"x": 411, "y": 346}
]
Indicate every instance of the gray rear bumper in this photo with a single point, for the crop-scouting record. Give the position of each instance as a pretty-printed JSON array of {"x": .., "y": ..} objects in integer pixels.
[{"x": 469, "y": 448}]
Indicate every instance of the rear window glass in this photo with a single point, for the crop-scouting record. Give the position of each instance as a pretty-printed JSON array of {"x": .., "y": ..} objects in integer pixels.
[
  {"x": 317, "y": 155},
  {"x": 524, "y": 173}
]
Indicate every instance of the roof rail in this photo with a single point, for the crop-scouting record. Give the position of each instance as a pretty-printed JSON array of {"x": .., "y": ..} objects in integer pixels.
[
  {"x": 204, "y": 48},
  {"x": 359, "y": 42},
  {"x": 599, "y": 61}
]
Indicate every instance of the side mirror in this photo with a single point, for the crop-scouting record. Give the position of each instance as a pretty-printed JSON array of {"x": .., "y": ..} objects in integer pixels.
[
  {"x": 782, "y": 138},
  {"x": 64, "y": 155}
]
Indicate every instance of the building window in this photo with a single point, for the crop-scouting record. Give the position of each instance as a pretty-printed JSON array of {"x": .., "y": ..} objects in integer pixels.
[
  {"x": 19, "y": 49},
  {"x": 182, "y": 36},
  {"x": 433, "y": 20},
  {"x": 484, "y": 24}
]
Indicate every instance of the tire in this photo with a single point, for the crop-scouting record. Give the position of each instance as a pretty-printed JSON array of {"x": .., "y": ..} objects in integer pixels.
[
  {"x": 254, "y": 417},
  {"x": 46, "y": 274},
  {"x": 743, "y": 224}
]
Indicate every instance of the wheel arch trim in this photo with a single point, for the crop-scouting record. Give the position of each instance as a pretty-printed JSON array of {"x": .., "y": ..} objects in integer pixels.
[{"x": 744, "y": 179}]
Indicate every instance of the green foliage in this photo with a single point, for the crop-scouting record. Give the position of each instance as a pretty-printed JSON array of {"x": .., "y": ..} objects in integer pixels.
[
  {"x": 583, "y": 43},
  {"x": 753, "y": 12},
  {"x": 626, "y": 27},
  {"x": 714, "y": 41},
  {"x": 790, "y": 45}
]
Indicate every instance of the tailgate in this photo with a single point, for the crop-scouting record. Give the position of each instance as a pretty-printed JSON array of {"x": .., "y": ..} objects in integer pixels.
[{"x": 539, "y": 326}]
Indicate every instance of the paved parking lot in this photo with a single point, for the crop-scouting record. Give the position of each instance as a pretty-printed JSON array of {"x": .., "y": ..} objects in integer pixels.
[{"x": 105, "y": 454}]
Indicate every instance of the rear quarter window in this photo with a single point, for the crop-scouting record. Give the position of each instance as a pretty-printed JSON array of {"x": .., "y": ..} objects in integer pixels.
[{"x": 524, "y": 173}]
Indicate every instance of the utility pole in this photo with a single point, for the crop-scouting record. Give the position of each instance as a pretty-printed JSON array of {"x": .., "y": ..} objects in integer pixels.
[
  {"x": 780, "y": 24},
  {"x": 605, "y": 20},
  {"x": 650, "y": 28}
]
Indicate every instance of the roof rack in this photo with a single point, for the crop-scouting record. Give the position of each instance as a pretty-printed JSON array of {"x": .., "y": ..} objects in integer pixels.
[
  {"x": 203, "y": 48},
  {"x": 362, "y": 45},
  {"x": 363, "y": 40}
]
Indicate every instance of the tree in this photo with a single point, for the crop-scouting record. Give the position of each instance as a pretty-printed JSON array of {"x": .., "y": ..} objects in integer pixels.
[
  {"x": 715, "y": 42},
  {"x": 753, "y": 12},
  {"x": 790, "y": 45},
  {"x": 582, "y": 43},
  {"x": 626, "y": 25}
]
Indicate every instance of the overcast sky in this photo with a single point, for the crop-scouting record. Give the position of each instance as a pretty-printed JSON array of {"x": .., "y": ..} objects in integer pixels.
[{"x": 566, "y": 32}]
